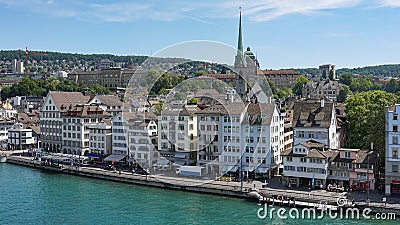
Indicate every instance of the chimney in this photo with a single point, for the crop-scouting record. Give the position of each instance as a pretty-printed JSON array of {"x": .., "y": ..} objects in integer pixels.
[{"x": 322, "y": 103}]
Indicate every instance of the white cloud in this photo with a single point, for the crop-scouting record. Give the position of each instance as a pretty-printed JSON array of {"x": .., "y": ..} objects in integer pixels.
[
  {"x": 264, "y": 10},
  {"x": 202, "y": 11},
  {"x": 389, "y": 3}
]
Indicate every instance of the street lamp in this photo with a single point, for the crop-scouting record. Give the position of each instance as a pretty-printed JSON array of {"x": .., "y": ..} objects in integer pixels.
[
  {"x": 241, "y": 171},
  {"x": 368, "y": 181}
]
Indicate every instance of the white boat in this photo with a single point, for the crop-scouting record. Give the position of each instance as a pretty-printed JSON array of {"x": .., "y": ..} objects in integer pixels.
[{"x": 3, "y": 158}]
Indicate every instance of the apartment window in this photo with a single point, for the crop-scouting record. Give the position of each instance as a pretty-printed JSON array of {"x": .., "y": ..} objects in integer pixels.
[
  {"x": 395, "y": 168},
  {"x": 394, "y": 116},
  {"x": 395, "y": 153},
  {"x": 395, "y": 140},
  {"x": 311, "y": 135},
  {"x": 289, "y": 159},
  {"x": 347, "y": 154},
  {"x": 395, "y": 128},
  {"x": 301, "y": 134},
  {"x": 181, "y": 127}
]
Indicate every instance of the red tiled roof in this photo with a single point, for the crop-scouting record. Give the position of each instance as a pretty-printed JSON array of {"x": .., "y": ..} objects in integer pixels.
[
  {"x": 279, "y": 72},
  {"x": 221, "y": 76}
]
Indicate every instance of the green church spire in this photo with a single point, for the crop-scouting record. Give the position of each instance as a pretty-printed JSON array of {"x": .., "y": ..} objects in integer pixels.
[{"x": 240, "y": 60}]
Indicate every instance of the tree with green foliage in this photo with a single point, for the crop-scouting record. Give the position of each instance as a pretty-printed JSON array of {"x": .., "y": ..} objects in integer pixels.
[
  {"x": 98, "y": 89},
  {"x": 5, "y": 93},
  {"x": 392, "y": 86},
  {"x": 342, "y": 96},
  {"x": 366, "y": 115},
  {"x": 159, "y": 106},
  {"x": 298, "y": 87},
  {"x": 193, "y": 101},
  {"x": 285, "y": 92},
  {"x": 274, "y": 90},
  {"x": 344, "y": 93},
  {"x": 346, "y": 79},
  {"x": 362, "y": 85}
]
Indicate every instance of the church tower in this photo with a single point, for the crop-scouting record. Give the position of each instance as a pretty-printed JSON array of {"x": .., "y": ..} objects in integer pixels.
[
  {"x": 245, "y": 65},
  {"x": 240, "y": 60}
]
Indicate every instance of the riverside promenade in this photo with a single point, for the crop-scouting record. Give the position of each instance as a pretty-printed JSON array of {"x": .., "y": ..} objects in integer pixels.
[{"x": 208, "y": 186}]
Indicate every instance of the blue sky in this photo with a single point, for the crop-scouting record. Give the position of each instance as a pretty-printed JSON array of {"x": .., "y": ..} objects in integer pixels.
[{"x": 283, "y": 33}]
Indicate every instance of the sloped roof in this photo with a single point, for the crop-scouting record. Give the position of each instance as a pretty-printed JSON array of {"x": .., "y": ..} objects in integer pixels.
[
  {"x": 86, "y": 111},
  {"x": 314, "y": 112},
  {"x": 36, "y": 129},
  {"x": 255, "y": 111},
  {"x": 65, "y": 99},
  {"x": 31, "y": 118},
  {"x": 214, "y": 109},
  {"x": 235, "y": 108},
  {"x": 315, "y": 153},
  {"x": 206, "y": 92},
  {"x": 362, "y": 157},
  {"x": 135, "y": 117},
  {"x": 221, "y": 76},
  {"x": 110, "y": 100},
  {"x": 279, "y": 72},
  {"x": 287, "y": 152},
  {"x": 314, "y": 144}
]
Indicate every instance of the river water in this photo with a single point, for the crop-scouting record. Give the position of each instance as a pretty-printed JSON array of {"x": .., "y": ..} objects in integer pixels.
[{"x": 31, "y": 196}]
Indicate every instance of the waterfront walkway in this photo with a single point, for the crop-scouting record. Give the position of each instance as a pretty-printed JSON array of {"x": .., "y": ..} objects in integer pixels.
[{"x": 271, "y": 188}]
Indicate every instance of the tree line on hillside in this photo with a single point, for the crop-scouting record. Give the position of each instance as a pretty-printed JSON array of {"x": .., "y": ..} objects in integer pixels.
[
  {"x": 391, "y": 70},
  {"x": 15, "y": 54},
  {"x": 367, "y": 84},
  {"x": 29, "y": 87}
]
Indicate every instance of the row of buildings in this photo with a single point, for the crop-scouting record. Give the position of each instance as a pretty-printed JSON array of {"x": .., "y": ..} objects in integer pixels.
[{"x": 220, "y": 137}]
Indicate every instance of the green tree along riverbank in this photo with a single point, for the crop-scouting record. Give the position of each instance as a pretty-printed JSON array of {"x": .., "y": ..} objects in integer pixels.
[{"x": 366, "y": 113}]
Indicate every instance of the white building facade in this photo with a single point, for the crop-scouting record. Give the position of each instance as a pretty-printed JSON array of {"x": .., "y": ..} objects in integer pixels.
[
  {"x": 177, "y": 135},
  {"x": 251, "y": 140},
  {"x": 392, "y": 160},
  {"x": 315, "y": 120},
  {"x": 100, "y": 138},
  {"x": 75, "y": 128},
  {"x": 305, "y": 165},
  {"x": 50, "y": 117},
  {"x": 20, "y": 138}
]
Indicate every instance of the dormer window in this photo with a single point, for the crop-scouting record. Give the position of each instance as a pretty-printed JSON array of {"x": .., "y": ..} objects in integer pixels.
[
  {"x": 302, "y": 122},
  {"x": 318, "y": 122}
]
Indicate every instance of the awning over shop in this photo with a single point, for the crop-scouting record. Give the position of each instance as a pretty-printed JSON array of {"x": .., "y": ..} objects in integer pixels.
[
  {"x": 338, "y": 178},
  {"x": 245, "y": 168},
  {"x": 180, "y": 155},
  {"x": 93, "y": 155},
  {"x": 262, "y": 170},
  {"x": 228, "y": 168},
  {"x": 179, "y": 163},
  {"x": 163, "y": 161},
  {"x": 114, "y": 157}
]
